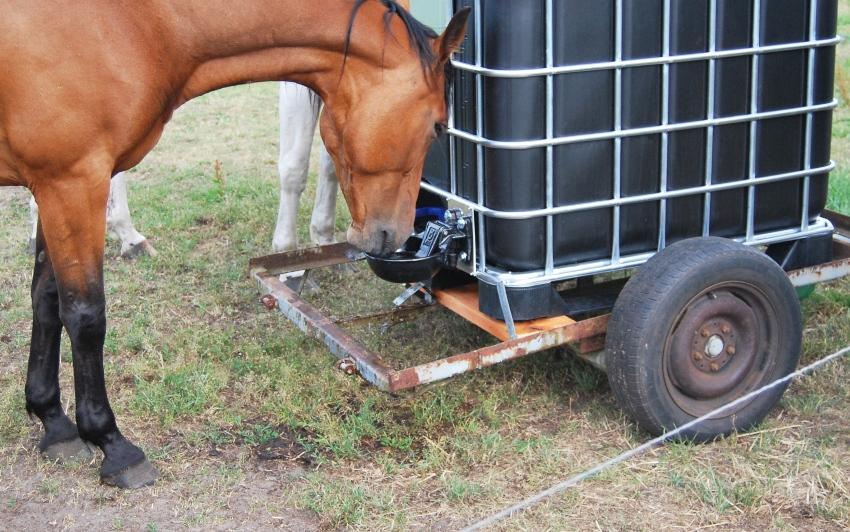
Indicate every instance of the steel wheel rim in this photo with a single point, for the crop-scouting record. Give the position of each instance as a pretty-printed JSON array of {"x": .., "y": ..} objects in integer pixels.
[{"x": 721, "y": 346}]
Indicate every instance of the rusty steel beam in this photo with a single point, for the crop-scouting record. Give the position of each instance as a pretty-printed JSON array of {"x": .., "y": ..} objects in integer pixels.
[
  {"x": 591, "y": 345},
  {"x": 314, "y": 323},
  {"x": 305, "y": 259},
  {"x": 829, "y": 271},
  {"x": 355, "y": 357},
  {"x": 840, "y": 221},
  {"x": 494, "y": 354}
]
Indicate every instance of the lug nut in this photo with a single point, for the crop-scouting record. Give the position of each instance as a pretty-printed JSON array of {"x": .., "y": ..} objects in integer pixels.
[
  {"x": 697, "y": 356},
  {"x": 726, "y": 329},
  {"x": 705, "y": 333},
  {"x": 731, "y": 349},
  {"x": 715, "y": 367}
]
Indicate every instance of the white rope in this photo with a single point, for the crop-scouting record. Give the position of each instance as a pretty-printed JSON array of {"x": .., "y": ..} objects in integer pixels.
[{"x": 571, "y": 482}]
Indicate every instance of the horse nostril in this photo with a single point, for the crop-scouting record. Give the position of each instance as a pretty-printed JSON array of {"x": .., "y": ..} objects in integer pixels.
[{"x": 386, "y": 244}]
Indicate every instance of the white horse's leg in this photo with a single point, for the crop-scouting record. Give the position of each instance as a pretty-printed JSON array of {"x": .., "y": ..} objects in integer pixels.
[
  {"x": 324, "y": 211},
  {"x": 33, "y": 223},
  {"x": 299, "y": 112},
  {"x": 120, "y": 223}
]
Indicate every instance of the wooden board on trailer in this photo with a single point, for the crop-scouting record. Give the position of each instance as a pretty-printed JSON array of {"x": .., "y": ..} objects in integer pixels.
[{"x": 463, "y": 301}]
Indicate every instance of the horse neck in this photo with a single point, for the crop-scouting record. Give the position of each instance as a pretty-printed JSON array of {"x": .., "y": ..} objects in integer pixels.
[{"x": 231, "y": 43}]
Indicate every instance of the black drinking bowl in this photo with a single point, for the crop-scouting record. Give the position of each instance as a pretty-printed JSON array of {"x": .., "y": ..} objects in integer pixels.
[{"x": 403, "y": 266}]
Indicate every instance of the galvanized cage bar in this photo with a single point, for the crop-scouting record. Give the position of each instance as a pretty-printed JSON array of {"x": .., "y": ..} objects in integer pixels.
[
  {"x": 649, "y": 61},
  {"x": 810, "y": 100},
  {"x": 550, "y": 134},
  {"x": 450, "y": 111},
  {"x": 534, "y": 278},
  {"x": 754, "y": 107},
  {"x": 618, "y": 126},
  {"x": 628, "y": 200},
  {"x": 640, "y": 131},
  {"x": 709, "y": 115},
  {"x": 479, "y": 148},
  {"x": 665, "y": 120}
]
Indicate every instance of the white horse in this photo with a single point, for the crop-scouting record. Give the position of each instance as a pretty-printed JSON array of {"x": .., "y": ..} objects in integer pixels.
[
  {"x": 118, "y": 221},
  {"x": 299, "y": 113}
]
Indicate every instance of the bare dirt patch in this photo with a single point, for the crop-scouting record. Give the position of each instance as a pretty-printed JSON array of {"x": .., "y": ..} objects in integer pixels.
[{"x": 229, "y": 491}]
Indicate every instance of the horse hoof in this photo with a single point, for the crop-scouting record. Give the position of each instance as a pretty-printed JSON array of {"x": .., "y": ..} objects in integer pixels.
[
  {"x": 134, "y": 477},
  {"x": 74, "y": 450},
  {"x": 137, "y": 250}
]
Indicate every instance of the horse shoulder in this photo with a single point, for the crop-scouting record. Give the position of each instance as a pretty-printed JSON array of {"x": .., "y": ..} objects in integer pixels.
[{"x": 81, "y": 89}]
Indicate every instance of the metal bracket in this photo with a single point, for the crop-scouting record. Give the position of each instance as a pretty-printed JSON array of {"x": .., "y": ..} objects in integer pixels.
[
  {"x": 409, "y": 292},
  {"x": 506, "y": 309}
]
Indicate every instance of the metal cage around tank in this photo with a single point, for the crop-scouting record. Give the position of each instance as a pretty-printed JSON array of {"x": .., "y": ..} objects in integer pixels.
[{"x": 457, "y": 165}]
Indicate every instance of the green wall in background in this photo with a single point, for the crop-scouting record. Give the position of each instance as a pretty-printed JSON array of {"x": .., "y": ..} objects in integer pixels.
[{"x": 434, "y": 13}]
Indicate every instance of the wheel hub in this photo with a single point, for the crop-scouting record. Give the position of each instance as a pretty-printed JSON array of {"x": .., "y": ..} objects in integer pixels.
[{"x": 713, "y": 348}]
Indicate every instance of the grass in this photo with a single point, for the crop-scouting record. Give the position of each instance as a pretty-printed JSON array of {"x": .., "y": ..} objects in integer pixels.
[
  {"x": 178, "y": 393},
  {"x": 209, "y": 383}
]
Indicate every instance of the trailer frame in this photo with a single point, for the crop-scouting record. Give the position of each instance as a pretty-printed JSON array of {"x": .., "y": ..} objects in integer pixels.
[{"x": 281, "y": 290}]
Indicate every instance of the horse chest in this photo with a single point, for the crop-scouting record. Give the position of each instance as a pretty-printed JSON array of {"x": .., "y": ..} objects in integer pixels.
[{"x": 8, "y": 176}]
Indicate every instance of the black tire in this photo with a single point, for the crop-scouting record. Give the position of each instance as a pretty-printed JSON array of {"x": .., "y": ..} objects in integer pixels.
[{"x": 703, "y": 322}]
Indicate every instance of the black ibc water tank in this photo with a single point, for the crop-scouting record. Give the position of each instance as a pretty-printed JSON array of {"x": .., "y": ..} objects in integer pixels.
[{"x": 513, "y": 36}]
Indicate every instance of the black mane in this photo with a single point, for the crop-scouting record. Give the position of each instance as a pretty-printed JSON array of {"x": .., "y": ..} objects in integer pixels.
[{"x": 421, "y": 36}]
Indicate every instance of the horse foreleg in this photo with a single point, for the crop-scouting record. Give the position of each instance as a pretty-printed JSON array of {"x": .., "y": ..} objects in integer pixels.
[
  {"x": 73, "y": 217},
  {"x": 61, "y": 441},
  {"x": 118, "y": 221},
  {"x": 324, "y": 211},
  {"x": 299, "y": 112}
]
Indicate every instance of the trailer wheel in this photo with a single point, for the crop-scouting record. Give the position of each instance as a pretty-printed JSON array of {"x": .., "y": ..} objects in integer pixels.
[{"x": 702, "y": 323}]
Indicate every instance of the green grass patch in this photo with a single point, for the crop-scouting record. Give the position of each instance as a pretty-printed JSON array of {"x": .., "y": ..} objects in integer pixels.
[
  {"x": 342, "y": 503},
  {"x": 178, "y": 393}
]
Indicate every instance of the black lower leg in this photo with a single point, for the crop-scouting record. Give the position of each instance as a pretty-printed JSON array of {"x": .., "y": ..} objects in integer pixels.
[
  {"x": 85, "y": 320},
  {"x": 42, "y": 387}
]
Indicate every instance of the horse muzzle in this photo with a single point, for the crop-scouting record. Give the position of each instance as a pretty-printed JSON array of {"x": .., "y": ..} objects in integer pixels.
[{"x": 378, "y": 240}]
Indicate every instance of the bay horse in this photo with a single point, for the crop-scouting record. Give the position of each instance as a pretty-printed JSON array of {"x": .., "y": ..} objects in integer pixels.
[
  {"x": 86, "y": 92},
  {"x": 299, "y": 109}
]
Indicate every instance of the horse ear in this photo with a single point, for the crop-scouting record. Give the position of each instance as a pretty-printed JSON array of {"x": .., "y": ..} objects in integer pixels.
[{"x": 452, "y": 38}]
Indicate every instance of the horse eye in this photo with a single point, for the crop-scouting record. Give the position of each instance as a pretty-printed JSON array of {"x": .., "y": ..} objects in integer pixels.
[{"x": 440, "y": 129}]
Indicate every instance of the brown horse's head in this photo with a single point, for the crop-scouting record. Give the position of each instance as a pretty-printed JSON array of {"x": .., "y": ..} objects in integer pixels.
[{"x": 382, "y": 118}]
